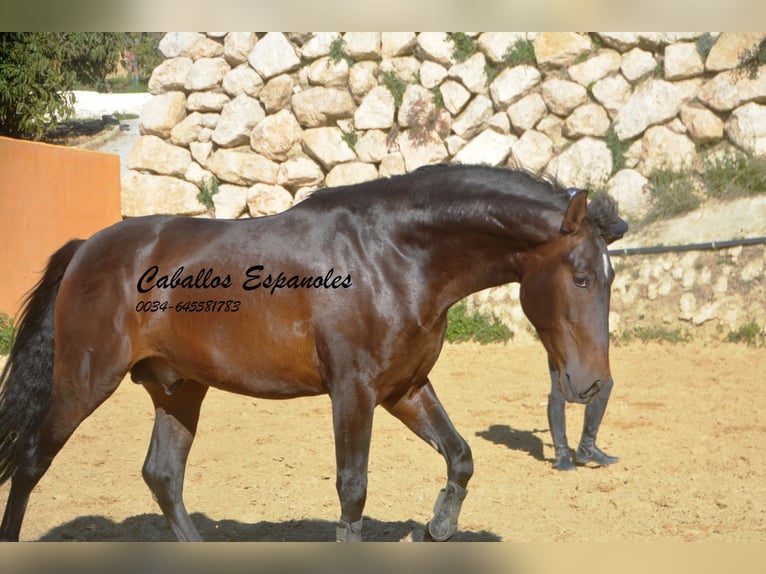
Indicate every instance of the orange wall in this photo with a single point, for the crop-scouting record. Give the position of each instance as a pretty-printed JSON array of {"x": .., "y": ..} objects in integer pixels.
[{"x": 48, "y": 195}]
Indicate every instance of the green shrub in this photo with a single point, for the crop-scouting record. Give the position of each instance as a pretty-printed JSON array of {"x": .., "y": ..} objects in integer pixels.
[
  {"x": 659, "y": 334},
  {"x": 522, "y": 53},
  {"x": 672, "y": 194},
  {"x": 7, "y": 333},
  {"x": 207, "y": 189},
  {"x": 734, "y": 175},
  {"x": 749, "y": 333},
  {"x": 463, "y": 45},
  {"x": 396, "y": 86},
  {"x": 462, "y": 326}
]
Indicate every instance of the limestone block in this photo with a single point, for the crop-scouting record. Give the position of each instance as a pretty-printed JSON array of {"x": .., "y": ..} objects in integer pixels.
[
  {"x": 532, "y": 151},
  {"x": 170, "y": 75},
  {"x": 327, "y": 146},
  {"x": 474, "y": 117},
  {"x": 586, "y": 164},
  {"x": 376, "y": 110},
  {"x": 237, "y": 120},
  {"x": 362, "y": 45},
  {"x": 455, "y": 96},
  {"x": 263, "y": 199},
  {"x": 230, "y": 202},
  {"x": 602, "y": 64},
  {"x": 682, "y": 61},
  {"x": 563, "y": 96},
  {"x": 471, "y": 73},
  {"x": 273, "y": 55},
  {"x": 665, "y": 149},
  {"x": 237, "y": 47},
  {"x": 151, "y": 153},
  {"x": 488, "y": 148},
  {"x": 320, "y": 106},
  {"x": 319, "y": 45},
  {"x": 432, "y": 74},
  {"x": 746, "y": 128},
  {"x": 637, "y": 63},
  {"x": 654, "y": 102},
  {"x": 555, "y": 49},
  {"x": 731, "y": 48},
  {"x": 161, "y": 113},
  {"x": 526, "y": 112},
  {"x": 189, "y": 45},
  {"x": 702, "y": 125},
  {"x": 613, "y": 92},
  {"x": 372, "y": 147},
  {"x": 362, "y": 78},
  {"x": 206, "y": 74},
  {"x": 436, "y": 46},
  {"x": 512, "y": 83},
  {"x": 629, "y": 188},
  {"x": 325, "y": 72},
  {"x": 275, "y": 135},
  {"x": 206, "y": 101},
  {"x": 587, "y": 120},
  {"x": 351, "y": 173},
  {"x": 397, "y": 43},
  {"x": 300, "y": 172},
  {"x": 144, "y": 194},
  {"x": 728, "y": 90},
  {"x": 277, "y": 93},
  {"x": 495, "y": 45},
  {"x": 242, "y": 81},
  {"x": 242, "y": 167},
  {"x": 420, "y": 151}
]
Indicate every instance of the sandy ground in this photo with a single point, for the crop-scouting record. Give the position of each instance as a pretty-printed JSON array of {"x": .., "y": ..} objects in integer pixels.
[{"x": 686, "y": 421}]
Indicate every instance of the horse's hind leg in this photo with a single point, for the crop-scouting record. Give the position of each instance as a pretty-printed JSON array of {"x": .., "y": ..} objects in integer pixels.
[
  {"x": 175, "y": 424},
  {"x": 70, "y": 404},
  {"x": 422, "y": 412}
]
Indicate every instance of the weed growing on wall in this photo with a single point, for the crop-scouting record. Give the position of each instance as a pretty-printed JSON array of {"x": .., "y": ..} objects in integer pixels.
[
  {"x": 462, "y": 326},
  {"x": 396, "y": 86},
  {"x": 734, "y": 175},
  {"x": 673, "y": 193},
  {"x": 463, "y": 45},
  {"x": 750, "y": 334},
  {"x": 207, "y": 189}
]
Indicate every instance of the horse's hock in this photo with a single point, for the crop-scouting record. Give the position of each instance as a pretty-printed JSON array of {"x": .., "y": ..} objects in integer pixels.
[{"x": 271, "y": 117}]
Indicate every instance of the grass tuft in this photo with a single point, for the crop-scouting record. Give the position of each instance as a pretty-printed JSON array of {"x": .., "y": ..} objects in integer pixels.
[{"x": 462, "y": 326}]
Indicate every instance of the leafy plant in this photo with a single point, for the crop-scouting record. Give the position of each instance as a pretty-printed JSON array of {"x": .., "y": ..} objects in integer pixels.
[
  {"x": 337, "y": 53},
  {"x": 462, "y": 326},
  {"x": 463, "y": 45},
  {"x": 672, "y": 194},
  {"x": 395, "y": 85},
  {"x": 734, "y": 175},
  {"x": 207, "y": 189},
  {"x": 617, "y": 148},
  {"x": 749, "y": 333},
  {"x": 7, "y": 333},
  {"x": 521, "y": 53},
  {"x": 704, "y": 44},
  {"x": 351, "y": 138},
  {"x": 753, "y": 60},
  {"x": 438, "y": 97}
]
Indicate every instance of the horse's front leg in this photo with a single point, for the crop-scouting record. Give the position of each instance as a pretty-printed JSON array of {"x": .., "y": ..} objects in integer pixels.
[
  {"x": 422, "y": 412},
  {"x": 587, "y": 451},
  {"x": 558, "y": 425},
  {"x": 352, "y": 412}
]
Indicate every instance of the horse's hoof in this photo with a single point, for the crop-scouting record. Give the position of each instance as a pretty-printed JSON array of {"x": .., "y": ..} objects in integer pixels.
[
  {"x": 563, "y": 463},
  {"x": 592, "y": 453}
]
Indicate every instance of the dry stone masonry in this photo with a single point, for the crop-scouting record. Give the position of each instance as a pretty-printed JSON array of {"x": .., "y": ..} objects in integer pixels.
[{"x": 272, "y": 117}]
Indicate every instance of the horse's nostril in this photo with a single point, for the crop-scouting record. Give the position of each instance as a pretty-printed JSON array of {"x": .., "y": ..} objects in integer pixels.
[{"x": 592, "y": 391}]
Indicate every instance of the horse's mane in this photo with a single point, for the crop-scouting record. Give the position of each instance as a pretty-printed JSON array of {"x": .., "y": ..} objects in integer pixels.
[{"x": 602, "y": 209}]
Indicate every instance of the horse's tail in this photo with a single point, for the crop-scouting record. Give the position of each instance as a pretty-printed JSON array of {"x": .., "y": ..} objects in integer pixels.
[{"x": 27, "y": 378}]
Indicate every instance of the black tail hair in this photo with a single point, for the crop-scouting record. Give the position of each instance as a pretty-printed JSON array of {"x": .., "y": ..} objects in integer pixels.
[{"x": 27, "y": 378}]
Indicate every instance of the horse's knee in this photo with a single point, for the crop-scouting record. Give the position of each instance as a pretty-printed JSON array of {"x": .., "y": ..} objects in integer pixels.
[
  {"x": 352, "y": 491},
  {"x": 461, "y": 465}
]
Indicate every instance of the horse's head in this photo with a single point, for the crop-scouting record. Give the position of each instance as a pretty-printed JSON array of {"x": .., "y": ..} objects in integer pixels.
[{"x": 565, "y": 292}]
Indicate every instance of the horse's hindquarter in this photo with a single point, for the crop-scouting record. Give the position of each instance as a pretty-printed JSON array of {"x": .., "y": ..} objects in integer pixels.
[{"x": 260, "y": 307}]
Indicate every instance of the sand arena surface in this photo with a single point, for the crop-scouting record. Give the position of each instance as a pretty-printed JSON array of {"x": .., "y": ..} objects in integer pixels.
[{"x": 687, "y": 422}]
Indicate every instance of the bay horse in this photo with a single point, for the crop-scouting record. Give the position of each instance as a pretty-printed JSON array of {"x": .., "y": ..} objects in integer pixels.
[{"x": 344, "y": 294}]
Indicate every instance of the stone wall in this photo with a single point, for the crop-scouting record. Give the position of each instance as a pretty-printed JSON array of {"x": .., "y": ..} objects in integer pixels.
[{"x": 274, "y": 116}]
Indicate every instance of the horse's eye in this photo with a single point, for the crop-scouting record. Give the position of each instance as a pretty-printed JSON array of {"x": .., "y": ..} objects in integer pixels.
[{"x": 581, "y": 281}]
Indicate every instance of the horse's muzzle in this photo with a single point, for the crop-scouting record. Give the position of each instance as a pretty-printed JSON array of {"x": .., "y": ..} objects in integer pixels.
[{"x": 584, "y": 397}]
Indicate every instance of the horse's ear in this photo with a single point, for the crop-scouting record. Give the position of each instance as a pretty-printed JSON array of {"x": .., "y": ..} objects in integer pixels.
[{"x": 576, "y": 210}]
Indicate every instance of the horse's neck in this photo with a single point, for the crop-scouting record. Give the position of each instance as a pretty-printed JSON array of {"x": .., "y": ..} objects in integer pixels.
[{"x": 478, "y": 251}]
